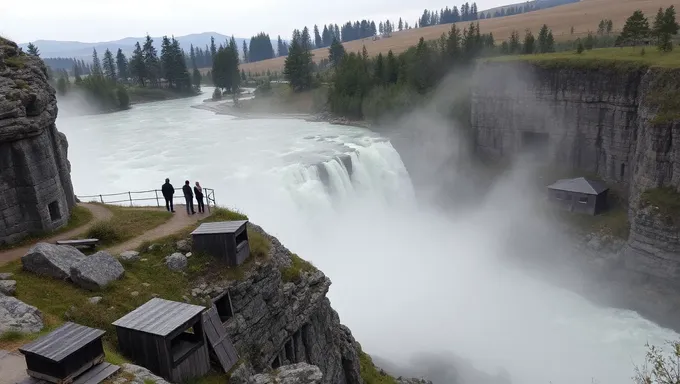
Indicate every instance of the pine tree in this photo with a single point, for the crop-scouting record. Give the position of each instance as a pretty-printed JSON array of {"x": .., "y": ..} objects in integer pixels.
[
  {"x": 610, "y": 26},
  {"x": 335, "y": 53},
  {"x": 96, "y": 64},
  {"x": 77, "y": 72},
  {"x": 179, "y": 64},
  {"x": 280, "y": 49},
  {"x": 550, "y": 42},
  {"x": 213, "y": 48},
  {"x": 168, "y": 70},
  {"x": 401, "y": 24},
  {"x": 636, "y": 28},
  {"x": 298, "y": 65},
  {"x": 196, "y": 74},
  {"x": 152, "y": 65},
  {"x": 515, "y": 44},
  {"x": 392, "y": 68},
  {"x": 326, "y": 36},
  {"x": 543, "y": 39},
  {"x": 245, "y": 52},
  {"x": 579, "y": 46},
  {"x": 453, "y": 45},
  {"x": 109, "y": 65},
  {"x": 138, "y": 66},
  {"x": 601, "y": 27},
  {"x": 665, "y": 26},
  {"x": 305, "y": 40},
  {"x": 122, "y": 65},
  {"x": 529, "y": 43},
  {"x": 33, "y": 50},
  {"x": 318, "y": 43},
  {"x": 261, "y": 47}
]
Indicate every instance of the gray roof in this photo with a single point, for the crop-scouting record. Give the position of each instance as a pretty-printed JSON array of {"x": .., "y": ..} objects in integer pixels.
[
  {"x": 158, "y": 316},
  {"x": 63, "y": 341},
  {"x": 219, "y": 227},
  {"x": 579, "y": 185}
]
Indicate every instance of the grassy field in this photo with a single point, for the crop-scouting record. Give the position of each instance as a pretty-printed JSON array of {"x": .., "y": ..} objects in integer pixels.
[
  {"x": 79, "y": 217},
  {"x": 125, "y": 224},
  {"x": 630, "y": 56},
  {"x": 583, "y": 16}
]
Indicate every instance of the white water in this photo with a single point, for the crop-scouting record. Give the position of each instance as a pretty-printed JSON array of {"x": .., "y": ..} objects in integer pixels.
[{"x": 406, "y": 279}]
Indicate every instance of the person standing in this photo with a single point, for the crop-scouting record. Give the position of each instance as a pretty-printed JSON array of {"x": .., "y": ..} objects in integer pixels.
[
  {"x": 198, "y": 191},
  {"x": 189, "y": 198},
  {"x": 168, "y": 191}
]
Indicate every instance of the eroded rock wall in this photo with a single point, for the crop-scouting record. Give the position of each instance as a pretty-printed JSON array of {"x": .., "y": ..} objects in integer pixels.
[{"x": 36, "y": 193}]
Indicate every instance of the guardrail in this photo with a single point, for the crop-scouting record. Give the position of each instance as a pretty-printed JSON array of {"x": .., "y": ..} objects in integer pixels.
[{"x": 148, "y": 196}]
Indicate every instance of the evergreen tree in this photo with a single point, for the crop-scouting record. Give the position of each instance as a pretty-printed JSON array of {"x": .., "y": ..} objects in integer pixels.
[
  {"x": 245, "y": 52},
  {"x": 335, "y": 53},
  {"x": 543, "y": 39},
  {"x": 298, "y": 65},
  {"x": 234, "y": 72},
  {"x": 305, "y": 40},
  {"x": 168, "y": 69},
  {"x": 550, "y": 42},
  {"x": 109, "y": 65},
  {"x": 318, "y": 43},
  {"x": 515, "y": 44},
  {"x": 589, "y": 42},
  {"x": 401, "y": 24},
  {"x": 122, "y": 65},
  {"x": 182, "y": 78},
  {"x": 610, "y": 26},
  {"x": 579, "y": 46},
  {"x": 392, "y": 68},
  {"x": 77, "y": 72},
  {"x": 636, "y": 28},
  {"x": 665, "y": 26},
  {"x": 33, "y": 50},
  {"x": 453, "y": 43},
  {"x": 326, "y": 37},
  {"x": 529, "y": 43},
  {"x": 138, "y": 66},
  {"x": 261, "y": 47},
  {"x": 152, "y": 65},
  {"x": 96, "y": 64},
  {"x": 196, "y": 74},
  {"x": 337, "y": 33},
  {"x": 280, "y": 49},
  {"x": 213, "y": 48}
]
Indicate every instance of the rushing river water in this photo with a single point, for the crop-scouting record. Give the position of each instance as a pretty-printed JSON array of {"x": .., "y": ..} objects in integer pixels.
[{"x": 406, "y": 279}]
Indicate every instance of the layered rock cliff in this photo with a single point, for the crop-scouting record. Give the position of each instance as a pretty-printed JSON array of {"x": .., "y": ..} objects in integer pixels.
[
  {"x": 619, "y": 121},
  {"x": 35, "y": 182}
]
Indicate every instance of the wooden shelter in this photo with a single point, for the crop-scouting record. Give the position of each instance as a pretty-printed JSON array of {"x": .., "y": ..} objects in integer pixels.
[
  {"x": 166, "y": 337},
  {"x": 71, "y": 353},
  {"x": 225, "y": 240},
  {"x": 220, "y": 343}
]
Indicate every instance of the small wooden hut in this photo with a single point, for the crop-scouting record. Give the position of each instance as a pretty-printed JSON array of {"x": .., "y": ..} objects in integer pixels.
[
  {"x": 225, "y": 240},
  {"x": 72, "y": 353},
  {"x": 166, "y": 337}
]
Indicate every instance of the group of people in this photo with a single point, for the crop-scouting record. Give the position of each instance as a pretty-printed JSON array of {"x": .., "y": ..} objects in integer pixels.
[{"x": 168, "y": 192}]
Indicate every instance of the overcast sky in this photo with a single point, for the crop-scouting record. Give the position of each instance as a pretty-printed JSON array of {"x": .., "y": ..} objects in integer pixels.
[{"x": 106, "y": 20}]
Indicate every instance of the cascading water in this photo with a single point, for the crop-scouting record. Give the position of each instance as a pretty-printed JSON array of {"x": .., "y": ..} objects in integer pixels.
[{"x": 406, "y": 278}]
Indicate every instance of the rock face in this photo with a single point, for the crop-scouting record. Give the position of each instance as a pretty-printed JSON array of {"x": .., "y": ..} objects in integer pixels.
[
  {"x": 35, "y": 180},
  {"x": 52, "y": 260},
  {"x": 97, "y": 271},
  {"x": 290, "y": 374},
  {"x": 616, "y": 122},
  {"x": 15, "y": 315}
]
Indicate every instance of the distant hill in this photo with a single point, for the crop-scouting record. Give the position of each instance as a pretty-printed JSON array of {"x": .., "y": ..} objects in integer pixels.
[{"x": 80, "y": 50}]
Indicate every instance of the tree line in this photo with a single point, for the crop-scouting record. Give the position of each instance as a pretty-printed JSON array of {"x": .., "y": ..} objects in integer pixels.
[{"x": 637, "y": 31}]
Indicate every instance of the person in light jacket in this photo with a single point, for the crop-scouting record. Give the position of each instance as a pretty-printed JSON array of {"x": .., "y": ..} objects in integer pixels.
[
  {"x": 198, "y": 191},
  {"x": 168, "y": 191},
  {"x": 189, "y": 198}
]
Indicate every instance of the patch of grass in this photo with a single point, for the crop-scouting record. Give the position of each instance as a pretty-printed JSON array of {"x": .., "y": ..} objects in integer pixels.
[
  {"x": 11, "y": 336},
  {"x": 666, "y": 200},
  {"x": 125, "y": 224},
  {"x": 627, "y": 58},
  {"x": 79, "y": 217},
  {"x": 293, "y": 273},
  {"x": 370, "y": 373},
  {"x": 21, "y": 84},
  {"x": 15, "y": 62},
  {"x": 664, "y": 94}
]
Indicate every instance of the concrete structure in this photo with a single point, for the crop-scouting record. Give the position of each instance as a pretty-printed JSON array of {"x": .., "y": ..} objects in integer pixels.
[
  {"x": 579, "y": 195},
  {"x": 36, "y": 194}
]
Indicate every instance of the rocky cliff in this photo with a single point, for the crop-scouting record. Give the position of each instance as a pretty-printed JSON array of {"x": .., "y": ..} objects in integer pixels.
[
  {"x": 35, "y": 182},
  {"x": 619, "y": 121}
]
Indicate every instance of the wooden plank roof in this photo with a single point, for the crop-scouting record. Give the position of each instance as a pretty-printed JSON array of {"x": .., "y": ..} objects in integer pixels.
[
  {"x": 159, "y": 317},
  {"x": 62, "y": 342},
  {"x": 219, "y": 227}
]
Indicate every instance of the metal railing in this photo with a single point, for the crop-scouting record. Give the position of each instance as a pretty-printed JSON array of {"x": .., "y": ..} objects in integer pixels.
[{"x": 148, "y": 196}]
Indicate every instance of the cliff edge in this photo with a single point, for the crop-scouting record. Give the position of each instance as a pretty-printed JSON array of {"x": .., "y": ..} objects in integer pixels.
[{"x": 35, "y": 181}]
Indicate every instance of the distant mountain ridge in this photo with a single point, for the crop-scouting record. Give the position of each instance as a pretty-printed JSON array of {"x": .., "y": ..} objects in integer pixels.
[{"x": 80, "y": 50}]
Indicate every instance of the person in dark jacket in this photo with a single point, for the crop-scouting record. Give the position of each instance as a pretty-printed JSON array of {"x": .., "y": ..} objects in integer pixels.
[
  {"x": 168, "y": 191},
  {"x": 198, "y": 191},
  {"x": 189, "y": 197}
]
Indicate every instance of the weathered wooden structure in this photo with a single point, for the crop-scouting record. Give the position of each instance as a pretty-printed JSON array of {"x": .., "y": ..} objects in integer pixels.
[
  {"x": 579, "y": 195},
  {"x": 71, "y": 353},
  {"x": 166, "y": 337},
  {"x": 222, "y": 304},
  {"x": 220, "y": 344},
  {"x": 225, "y": 240}
]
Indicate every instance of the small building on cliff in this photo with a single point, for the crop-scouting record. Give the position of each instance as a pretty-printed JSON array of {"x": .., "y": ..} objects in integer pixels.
[{"x": 579, "y": 195}]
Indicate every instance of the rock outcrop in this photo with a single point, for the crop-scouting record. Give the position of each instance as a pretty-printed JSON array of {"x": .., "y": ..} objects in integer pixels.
[
  {"x": 15, "y": 315},
  {"x": 290, "y": 374},
  {"x": 51, "y": 260},
  {"x": 97, "y": 271},
  {"x": 35, "y": 182}
]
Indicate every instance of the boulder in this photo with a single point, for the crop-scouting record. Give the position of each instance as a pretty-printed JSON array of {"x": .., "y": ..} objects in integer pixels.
[
  {"x": 176, "y": 262},
  {"x": 183, "y": 246},
  {"x": 15, "y": 315},
  {"x": 52, "y": 260},
  {"x": 139, "y": 375},
  {"x": 129, "y": 256},
  {"x": 6, "y": 276},
  {"x": 301, "y": 373},
  {"x": 97, "y": 271},
  {"x": 8, "y": 287},
  {"x": 94, "y": 300}
]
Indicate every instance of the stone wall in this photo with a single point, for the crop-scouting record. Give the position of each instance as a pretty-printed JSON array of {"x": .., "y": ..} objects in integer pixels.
[{"x": 36, "y": 193}]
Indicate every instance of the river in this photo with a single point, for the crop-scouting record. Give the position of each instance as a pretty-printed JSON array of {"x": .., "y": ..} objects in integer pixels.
[{"x": 406, "y": 278}]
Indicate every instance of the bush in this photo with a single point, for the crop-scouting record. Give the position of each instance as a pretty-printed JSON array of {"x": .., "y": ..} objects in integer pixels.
[
  {"x": 293, "y": 273},
  {"x": 106, "y": 231},
  {"x": 123, "y": 97},
  {"x": 217, "y": 94}
]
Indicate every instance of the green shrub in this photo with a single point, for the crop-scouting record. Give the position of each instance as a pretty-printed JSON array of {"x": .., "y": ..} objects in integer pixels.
[
  {"x": 106, "y": 231},
  {"x": 293, "y": 273},
  {"x": 15, "y": 62},
  {"x": 123, "y": 97},
  {"x": 667, "y": 200},
  {"x": 10, "y": 336}
]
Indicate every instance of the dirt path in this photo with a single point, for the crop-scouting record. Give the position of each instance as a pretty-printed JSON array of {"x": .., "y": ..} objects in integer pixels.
[
  {"x": 179, "y": 221},
  {"x": 99, "y": 213}
]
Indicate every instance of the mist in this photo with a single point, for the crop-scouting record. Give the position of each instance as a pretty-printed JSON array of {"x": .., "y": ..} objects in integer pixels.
[{"x": 428, "y": 291}]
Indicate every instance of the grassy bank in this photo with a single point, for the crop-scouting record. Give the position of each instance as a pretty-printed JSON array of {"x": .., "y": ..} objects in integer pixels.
[
  {"x": 144, "y": 95},
  {"x": 61, "y": 301},
  {"x": 126, "y": 224},
  {"x": 79, "y": 216},
  {"x": 624, "y": 58}
]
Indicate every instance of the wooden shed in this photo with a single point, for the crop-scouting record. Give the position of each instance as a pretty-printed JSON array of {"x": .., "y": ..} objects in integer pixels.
[
  {"x": 225, "y": 240},
  {"x": 167, "y": 338},
  {"x": 70, "y": 353}
]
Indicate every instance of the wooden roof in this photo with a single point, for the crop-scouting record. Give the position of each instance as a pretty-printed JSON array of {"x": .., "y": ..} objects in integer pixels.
[
  {"x": 159, "y": 317},
  {"x": 219, "y": 227},
  {"x": 579, "y": 185},
  {"x": 62, "y": 342}
]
